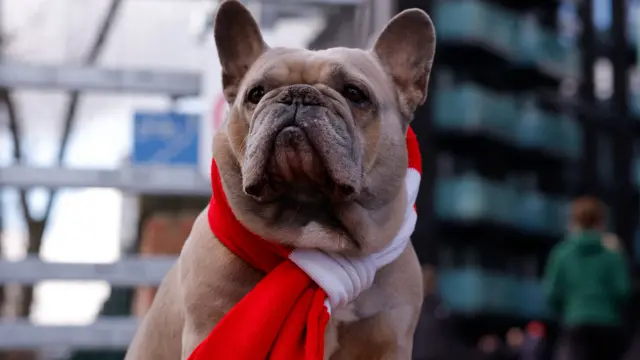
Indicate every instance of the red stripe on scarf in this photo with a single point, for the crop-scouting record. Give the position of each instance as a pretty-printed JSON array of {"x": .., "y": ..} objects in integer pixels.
[
  {"x": 413, "y": 151},
  {"x": 284, "y": 316}
]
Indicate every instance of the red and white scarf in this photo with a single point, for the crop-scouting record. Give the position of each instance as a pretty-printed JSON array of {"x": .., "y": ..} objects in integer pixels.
[{"x": 285, "y": 316}]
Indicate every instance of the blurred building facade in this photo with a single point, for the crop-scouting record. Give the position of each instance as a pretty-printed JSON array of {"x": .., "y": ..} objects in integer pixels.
[{"x": 531, "y": 104}]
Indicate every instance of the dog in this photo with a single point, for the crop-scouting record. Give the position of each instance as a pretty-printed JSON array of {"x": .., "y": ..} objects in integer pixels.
[{"x": 330, "y": 179}]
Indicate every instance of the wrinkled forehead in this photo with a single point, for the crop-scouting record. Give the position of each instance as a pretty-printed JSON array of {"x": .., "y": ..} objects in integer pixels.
[{"x": 283, "y": 66}]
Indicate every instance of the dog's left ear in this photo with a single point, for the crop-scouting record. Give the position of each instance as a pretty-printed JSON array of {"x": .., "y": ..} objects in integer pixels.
[
  {"x": 239, "y": 44},
  {"x": 406, "y": 48}
]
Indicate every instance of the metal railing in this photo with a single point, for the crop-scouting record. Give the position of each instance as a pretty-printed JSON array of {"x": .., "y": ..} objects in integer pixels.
[
  {"x": 105, "y": 332},
  {"x": 129, "y": 271},
  {"x": 108, "y": 333}
]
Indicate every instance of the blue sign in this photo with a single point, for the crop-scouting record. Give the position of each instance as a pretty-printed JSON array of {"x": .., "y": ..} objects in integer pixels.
[{"x": 165, "y": 138}]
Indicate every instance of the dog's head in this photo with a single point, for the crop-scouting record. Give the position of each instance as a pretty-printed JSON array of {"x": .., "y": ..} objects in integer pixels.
[{"x": 318, "y": 129}]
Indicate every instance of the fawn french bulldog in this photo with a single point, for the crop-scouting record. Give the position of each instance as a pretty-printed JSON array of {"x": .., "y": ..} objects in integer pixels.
[{"x": 313, "y": 156}]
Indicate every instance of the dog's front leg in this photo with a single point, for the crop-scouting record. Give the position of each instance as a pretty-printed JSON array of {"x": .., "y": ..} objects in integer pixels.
[
  {"x": 212, "y": 281},
  {"x": 191, "y": 337},
  {"x": 158, "y": 337}
]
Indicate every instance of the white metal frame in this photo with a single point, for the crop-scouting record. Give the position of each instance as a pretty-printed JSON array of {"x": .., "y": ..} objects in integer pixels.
[
  {"x": 128, "y": 271},
  {"x": 158, "y": 180},
  {"x": 105, "y": 333},
  {"x": 84, "y": 78}
]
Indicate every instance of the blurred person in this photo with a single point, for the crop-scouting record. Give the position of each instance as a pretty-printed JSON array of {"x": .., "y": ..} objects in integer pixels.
[
  {"x": 490, "y": 348},
  {"x": 587, "y": 283},
  {"x": 434, "y": 338},
  {"x": 534, "y": 342},
  {"x": 525, "y": 345},
  {"x": 515, "y": 341}
]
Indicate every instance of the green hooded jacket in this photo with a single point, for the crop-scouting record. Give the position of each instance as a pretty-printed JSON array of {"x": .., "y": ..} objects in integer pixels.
[{"x": 586, "y": 283}]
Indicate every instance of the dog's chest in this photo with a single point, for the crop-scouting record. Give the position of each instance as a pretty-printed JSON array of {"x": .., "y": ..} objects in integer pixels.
[
  {"x": 345, "y": 314},
  {"x": 371, "y": 302}
]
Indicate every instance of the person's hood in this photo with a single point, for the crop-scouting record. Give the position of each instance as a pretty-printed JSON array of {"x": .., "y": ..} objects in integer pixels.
[{"x": 587, "y": 242}]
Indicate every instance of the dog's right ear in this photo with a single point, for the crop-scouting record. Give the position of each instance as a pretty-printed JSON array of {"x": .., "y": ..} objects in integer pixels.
[
  {"x": 239, "y": 44},
  {"x": 406, "y": 48}
]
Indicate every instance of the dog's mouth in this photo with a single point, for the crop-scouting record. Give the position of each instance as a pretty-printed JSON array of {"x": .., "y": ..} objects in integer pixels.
[
  {"x": 299, "y": 146},
  {"x": 296, "y": 169}
]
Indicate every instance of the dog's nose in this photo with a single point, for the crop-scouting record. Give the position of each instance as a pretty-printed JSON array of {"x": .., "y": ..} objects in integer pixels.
[{"x": 301, "y": 94}]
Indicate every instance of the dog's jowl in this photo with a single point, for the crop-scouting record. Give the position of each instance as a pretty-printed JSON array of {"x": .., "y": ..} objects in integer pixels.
[{"x": 304, "y": 250}]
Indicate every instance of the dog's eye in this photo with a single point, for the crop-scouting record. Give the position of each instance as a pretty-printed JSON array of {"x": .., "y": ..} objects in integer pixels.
[
  {"x": 354, "y": 94},
  {"x": 255, "y": 94}
]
